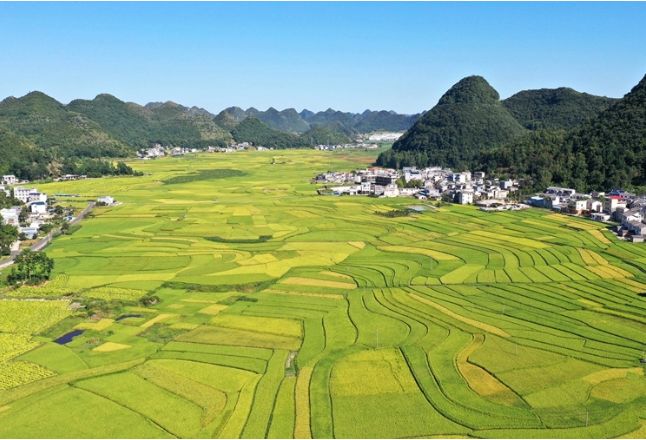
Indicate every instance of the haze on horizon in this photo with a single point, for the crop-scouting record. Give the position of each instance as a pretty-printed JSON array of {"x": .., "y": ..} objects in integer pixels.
[{"x": 347, "y": 56}]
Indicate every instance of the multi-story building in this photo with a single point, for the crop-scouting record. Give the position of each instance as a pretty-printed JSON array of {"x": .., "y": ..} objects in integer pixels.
[{"x": 9, "y": 179}]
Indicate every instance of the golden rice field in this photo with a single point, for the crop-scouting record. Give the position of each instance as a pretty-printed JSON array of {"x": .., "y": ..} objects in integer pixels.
[{"x": 277, "y": 313}]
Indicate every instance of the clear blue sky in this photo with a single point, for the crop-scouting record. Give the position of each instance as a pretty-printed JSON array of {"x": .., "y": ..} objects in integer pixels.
[{"x": 348, "y": 56}]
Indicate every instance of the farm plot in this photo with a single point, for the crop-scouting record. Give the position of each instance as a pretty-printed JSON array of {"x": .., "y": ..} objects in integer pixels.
[{"x": 229, "y": 305}]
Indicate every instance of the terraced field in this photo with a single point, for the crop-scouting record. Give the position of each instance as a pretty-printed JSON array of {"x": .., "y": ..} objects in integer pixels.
[{"x": 283, "y": 314}]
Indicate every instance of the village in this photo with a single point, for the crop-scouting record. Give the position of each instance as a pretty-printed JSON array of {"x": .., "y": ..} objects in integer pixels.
[
  {"x": 33, "y": 212},
  {"x": 159, "y": 150},
  {"x": 490, "y": 194}
]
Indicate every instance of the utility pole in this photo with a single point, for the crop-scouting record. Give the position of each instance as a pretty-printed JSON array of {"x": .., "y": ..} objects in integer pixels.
[{"x": 586, "y": 417}]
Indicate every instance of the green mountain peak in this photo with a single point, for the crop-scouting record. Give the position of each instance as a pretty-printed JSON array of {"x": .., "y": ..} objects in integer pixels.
[{"x": 470, "y": 90}]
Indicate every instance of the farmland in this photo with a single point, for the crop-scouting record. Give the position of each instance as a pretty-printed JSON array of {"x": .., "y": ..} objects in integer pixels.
[{"x": 239, "y": 304}]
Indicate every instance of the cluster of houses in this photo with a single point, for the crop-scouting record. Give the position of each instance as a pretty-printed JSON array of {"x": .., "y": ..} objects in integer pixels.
[
  {"x": 68, "y": 177},
  {"x": 153, "y": 152},
  {"x": 159, "y": 150},
  {"x": 467, "y": 187},
  {"x": 342, "y": 146},
  {"x": 38, "y": 212},
  {"x": 617, "y": 205},
  {"x": 231, "y": 149},
  {"x": 431, "y": 183},
  {"x": 385, "y": 137}
]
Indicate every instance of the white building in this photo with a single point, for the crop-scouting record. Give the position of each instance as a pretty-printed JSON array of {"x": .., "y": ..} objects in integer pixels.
[
  {"x": 35, "y": 196},
  {"x": 9, "y": 179},
  {"x": 108, "y": 200},
  {"x": 409, "y": 191},
  {"x": 600, "y": 217},
  {"x": 38, "y": 208},
  {"x": 391, "y": 191},
  {"x": 465, "y": 197},
  {"x": 594, "y": 205},
  {"x": 21, "y": 193},
  {"x": 10, "y": 215},
  {"x": 577, "y": 205},
  {"x": 385, "y": 137}
]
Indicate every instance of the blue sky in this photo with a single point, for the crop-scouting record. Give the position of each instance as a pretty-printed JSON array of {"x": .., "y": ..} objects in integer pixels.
[{"x": 348, "y": 56}]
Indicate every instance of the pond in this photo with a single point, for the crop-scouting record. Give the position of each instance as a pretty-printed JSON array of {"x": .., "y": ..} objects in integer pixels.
[
  {"x": 127, "y": 316},
  {"x": 67, "y": 337}
]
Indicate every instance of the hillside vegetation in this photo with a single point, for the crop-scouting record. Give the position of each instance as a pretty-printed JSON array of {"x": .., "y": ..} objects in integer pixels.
[
  {"x": 554, "y": 109},
  {"x": 468, "y": 118},
  {"x": 165, "y": 123},
  {"x": 253, "y": 130},
  {"x": 547, "y": 136},
  {"x": 608, "y": 151},
  {"x": 290, "y": 121},
  {"x": 49, "y": 125}
]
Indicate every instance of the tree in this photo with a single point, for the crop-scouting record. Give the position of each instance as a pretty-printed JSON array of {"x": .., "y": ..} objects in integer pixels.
[
  {"x": 46, "y": 228},
  {"x": 31, "y": 267},
  {"x": 8, "y": 234},
  {"x": 24, "y": 215},
  {"x": 446, "y": 198}
]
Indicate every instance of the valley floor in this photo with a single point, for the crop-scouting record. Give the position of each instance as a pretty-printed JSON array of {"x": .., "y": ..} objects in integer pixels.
[{"x": 274, "y": 312}]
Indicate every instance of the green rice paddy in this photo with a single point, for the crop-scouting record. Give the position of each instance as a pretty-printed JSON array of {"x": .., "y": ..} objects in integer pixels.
[{"x": 284, "y": 314}]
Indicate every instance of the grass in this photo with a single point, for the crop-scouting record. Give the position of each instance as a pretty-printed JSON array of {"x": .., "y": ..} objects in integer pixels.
[{"x": 450, "y": 322}]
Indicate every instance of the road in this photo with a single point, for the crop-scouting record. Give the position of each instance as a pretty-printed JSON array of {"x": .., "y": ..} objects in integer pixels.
[{"x": 43, "y": 242}]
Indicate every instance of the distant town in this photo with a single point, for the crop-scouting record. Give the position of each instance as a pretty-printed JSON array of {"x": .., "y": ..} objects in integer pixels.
[
  {"x": 490, "y": 194},
  {"x": 159, "y": 150}
]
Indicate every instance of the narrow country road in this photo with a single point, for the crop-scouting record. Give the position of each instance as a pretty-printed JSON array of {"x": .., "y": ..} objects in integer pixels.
[{"x": 43, "y": 242}]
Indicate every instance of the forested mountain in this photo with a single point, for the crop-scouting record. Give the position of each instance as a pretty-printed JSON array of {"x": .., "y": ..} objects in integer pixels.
[
  {"x": 40, "y": 137},
  {"x": 141, "y": 126},
  {"x": 385, "y": 121},
  {"x": 320, "y": 135},
  {"x": 251, "y": 129},
  {"x": 468, "y": 118},
  {"x": 608, "y": 151},
  {"x": 172, "y": 125},
  {"x": 237, "y": 112},
  {"x": 226, "y": 121},
  {"x": 290, "y": 121},
  {"x": 561, "y": 108},
  {"x": 329, "y": 116},
  {"x": 193, "y": 111},
  {"x": 21, "y": 157},
  {"x": 49, "y": 125},
  {"x": 287, "y": 120}
]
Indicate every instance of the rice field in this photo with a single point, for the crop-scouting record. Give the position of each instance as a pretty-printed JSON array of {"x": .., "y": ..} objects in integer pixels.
[{"x": 240, "y": 304}]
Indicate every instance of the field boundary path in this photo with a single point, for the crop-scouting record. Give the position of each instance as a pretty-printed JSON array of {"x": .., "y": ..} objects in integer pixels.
[{"x": 42, "y": 243}]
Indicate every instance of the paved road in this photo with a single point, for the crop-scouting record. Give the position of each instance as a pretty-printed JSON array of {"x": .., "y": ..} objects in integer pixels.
[{"x": 43, "y": 242}]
